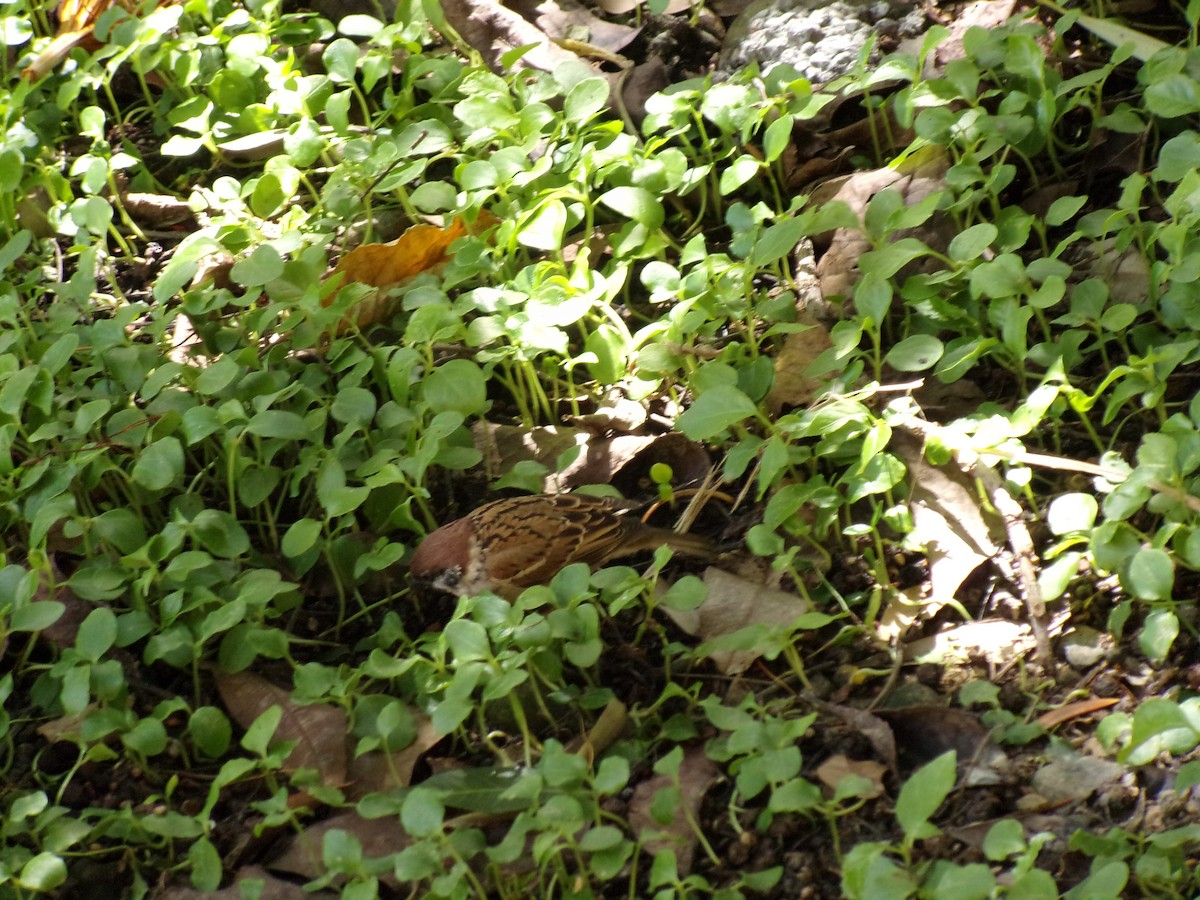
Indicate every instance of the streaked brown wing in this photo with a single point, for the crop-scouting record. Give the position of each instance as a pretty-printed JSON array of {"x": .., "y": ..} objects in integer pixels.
[{"x": 529, "y": 539}]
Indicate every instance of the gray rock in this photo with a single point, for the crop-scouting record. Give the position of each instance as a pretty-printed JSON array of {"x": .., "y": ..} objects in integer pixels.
[{"x": 820, "y": 39}]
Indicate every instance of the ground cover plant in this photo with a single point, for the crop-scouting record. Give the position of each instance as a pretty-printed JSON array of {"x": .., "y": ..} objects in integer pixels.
[{"x": 283, "y": 290}]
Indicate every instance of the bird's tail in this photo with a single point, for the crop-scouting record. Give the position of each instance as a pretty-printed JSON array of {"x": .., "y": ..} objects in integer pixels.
[{"x": 690, "y": 544}]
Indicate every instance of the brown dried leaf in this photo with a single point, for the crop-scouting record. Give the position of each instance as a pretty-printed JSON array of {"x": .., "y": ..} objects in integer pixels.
[
  {"x": 732, "y": 604},
  {"x": 982, "y": 14},
  {"x": 870, "y": 726},
  {"x": 76, "y": 26},
  {"x": 997, "y": 641},
  {"x": 696, "y": 775},
  {"x": 793, "y": 386},
  {"x": 604, "y": 733},
  {"x": 380, "y": 771},
  {"x": 494, "y": 31},
  {"x": 948, "y": 520},
  {"x": 1069, "y": 711},
  {"x": 157, "y": 210},
  {"x": 838, "y": 767},
  {"x": 301, "y": 855},
  {"x": 641, "y": 83},
  {"x": 422, "y": 248},
  {"x": 320, "y": 730},
  {"x": 272, "y": 889},
  {"x": 919, "y": 176},
  {"x": 65, "y": 728},
  {"x": 572, "y": 20},
  {"x": 254, "y": 147}
]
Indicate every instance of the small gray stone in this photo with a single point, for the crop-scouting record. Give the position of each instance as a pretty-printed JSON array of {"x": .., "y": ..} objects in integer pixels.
[
  {"x": 820, "y": 39},
  {"x": 1075, "y": 778},
  {"x": 1085, "y": 646}
]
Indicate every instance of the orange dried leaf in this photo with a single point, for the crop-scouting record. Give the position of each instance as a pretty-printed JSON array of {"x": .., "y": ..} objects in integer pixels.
[
  {"x": 1069, "y": 711},
  {"x": 423, "y": 248},
  {"x": 77, "y": 15},
  {"x": 76, "y": 21}
]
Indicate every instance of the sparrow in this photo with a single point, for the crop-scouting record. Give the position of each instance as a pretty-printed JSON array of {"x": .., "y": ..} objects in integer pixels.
[{"x": 507, "y": 545}]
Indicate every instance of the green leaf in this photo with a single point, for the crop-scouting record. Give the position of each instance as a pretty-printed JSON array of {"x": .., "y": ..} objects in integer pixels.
[
  {"x": 456, "y": 386},
  {"x": 43, "y": 872},
  {"x": 778, "y": 240},
  {"x": 1072, "y": 513},
  {"x": 585, "y": 99},
  {"x": 923, "y": 793},
  {"x": 915, "y": 353},
  {"x": 971, "y": 243},
  {"x": 211, "y": 731},
  {"x": 147, "y": 738},
  {"x": 467, "y": 640},
  {"x": 159, "y": 465},
  {"x": 97, "y": 634},
  {"x": 1063, "y": 210},
  {"x": 1173, "y": 96},
  {"x": 544, "y": 231},
  {"x": 207, "y": 868},
  {"x": 300, "y": 537},
  {"x": 635, "y": 203},
  {"x": 1004, "y": 839},
  {"x": 954, "y": 881},
  {"x": 777, "y": 137},
  {"x": 714, "y": 411},
  {"x": 1178, "y": 157},
  {"x": 278, "y": 423},
  {"x": 1160, "y": 725},
  {"x": 220, "y": 533},
  {"x": 422, "y": 812},
  {"x": 1149, "y": 574},
  {"x": 873, "y": 297},
  {"x": 1158, "y": 634},
  {"x": 36, "y": 616},
  {"x": 341, "y": 60},
  {"x": 264, "y": 263},
  {"x": 257, "y": 738}
]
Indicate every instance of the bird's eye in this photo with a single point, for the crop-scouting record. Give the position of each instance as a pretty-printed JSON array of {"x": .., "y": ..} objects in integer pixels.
[{"x": 449, "y": 579}]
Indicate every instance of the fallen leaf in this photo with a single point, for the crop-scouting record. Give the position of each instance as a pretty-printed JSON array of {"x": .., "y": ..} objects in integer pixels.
[
  {"x": 604, "y": 733},
  {"x": 76, "y": 28},
  {"x": 834, "y": 769},
  {"x": 696, "y": 775},
  {"x": 319, "y": 730},
  {"x": 157, "y": 210},
  {"x": 571, "y": 19},
  {"x": 980, "y": 14},
  {"x": 377, "y": 771},
  {"x": 272, "y": 888},
  {"x": 302, "y": 854},
  {"x": 495, "y": 31},
  {"x": 793, "y": 386},
  {"x": 422, "y": 248},
  {"x": 254, "y": 147},
  {"x": 870, "y": 726},
  {"x": 1069, "y": 711},
  {"x": 949, "y": 523},
  {"x": 731, "y": 605},
  {"x": 997, "y": 641},
  {"x": 914, "y": 179}
]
